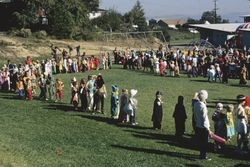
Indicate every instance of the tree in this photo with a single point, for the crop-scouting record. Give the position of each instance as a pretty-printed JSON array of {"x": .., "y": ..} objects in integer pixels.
[
  {"x": 26, "y": 16},
  {"x": 192, "y": 21},
  {"x": 136, "y": 17},
  {"x": 92, "y": 5},
  {"x": 110, "y": 21},
  {"x": 67, "y": 18},
  {"x": 210, "y": 17}
]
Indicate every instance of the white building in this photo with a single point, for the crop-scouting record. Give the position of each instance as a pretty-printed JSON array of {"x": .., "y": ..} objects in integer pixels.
[{"x": 96, "y": 14}]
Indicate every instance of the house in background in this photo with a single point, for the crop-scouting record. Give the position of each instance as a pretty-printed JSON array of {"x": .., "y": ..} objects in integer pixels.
[
  {"x": 171, "y": 23},
  {"x": 246, "y": 18},
  {"x": 96, "y": 14},
  {"x": 216, "y": 34},
  {"x": 245, "y": 38}
]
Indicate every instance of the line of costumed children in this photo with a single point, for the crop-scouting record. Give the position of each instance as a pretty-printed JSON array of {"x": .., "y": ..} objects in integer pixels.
[
  {"x": 91, "y": 94},
  {"x": 124, "y": 109},
  {"x": 224, "y": 124}
]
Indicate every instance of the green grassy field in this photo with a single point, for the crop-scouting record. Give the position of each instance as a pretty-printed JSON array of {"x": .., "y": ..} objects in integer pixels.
[
  {"x": 182, "y": 37},
  {"x": 37, "y": 133}
]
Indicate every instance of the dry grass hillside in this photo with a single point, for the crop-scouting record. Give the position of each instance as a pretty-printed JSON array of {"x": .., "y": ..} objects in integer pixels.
[{"x": 17, "y": 47}]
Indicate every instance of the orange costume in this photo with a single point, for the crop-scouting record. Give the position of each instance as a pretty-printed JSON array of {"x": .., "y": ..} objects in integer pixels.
[{"x": 59, "y": 89}]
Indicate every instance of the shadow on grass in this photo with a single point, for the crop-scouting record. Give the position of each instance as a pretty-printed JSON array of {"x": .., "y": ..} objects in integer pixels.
[
  {"x": 14, "y": 96},
  {"x": 111, "y": 121},
  {"x": 146, "y": 72},
  {"x": 190, "y": 157},
  {"x": 241, "y": 165},
  {"x": 189, "y": 143},
  {"x": 186, "y": 142},
  {"x": 212, "y": 103},
  {"x": 231, "y": 153},
  {"x": 227, "y": 100},
  {"x": 199, "y": 80},
  {"x": 240, "y": 86},
  {"x": 59, "y": 106},
  {"x": 9, "y": 95},
  {"x": 193, "y": 165}
]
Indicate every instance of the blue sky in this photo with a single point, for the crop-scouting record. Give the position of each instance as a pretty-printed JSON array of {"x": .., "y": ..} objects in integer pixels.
[{"x": 230, "y": 9}]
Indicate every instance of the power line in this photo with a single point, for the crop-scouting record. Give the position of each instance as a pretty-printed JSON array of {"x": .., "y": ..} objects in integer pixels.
[{"x": 215, "y": 11}]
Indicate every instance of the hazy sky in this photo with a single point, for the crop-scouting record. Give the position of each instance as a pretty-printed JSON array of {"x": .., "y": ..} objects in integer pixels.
[{"x": 183, "y": 8}]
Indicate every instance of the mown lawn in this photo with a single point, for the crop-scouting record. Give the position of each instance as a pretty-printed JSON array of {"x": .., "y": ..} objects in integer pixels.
[{"x": 37, "y": 133}]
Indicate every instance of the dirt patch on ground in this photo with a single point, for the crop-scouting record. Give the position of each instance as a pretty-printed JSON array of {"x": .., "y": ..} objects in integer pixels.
[{"x": 17, "y": 47}]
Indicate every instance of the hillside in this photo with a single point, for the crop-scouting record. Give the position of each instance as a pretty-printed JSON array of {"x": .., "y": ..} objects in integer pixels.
[{"x": 17, "y": 47}]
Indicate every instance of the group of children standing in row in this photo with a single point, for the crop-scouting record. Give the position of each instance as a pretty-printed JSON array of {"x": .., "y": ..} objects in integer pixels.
[
  {"x": 48, "y": 88},
  {"x": 226, "y": 123}
]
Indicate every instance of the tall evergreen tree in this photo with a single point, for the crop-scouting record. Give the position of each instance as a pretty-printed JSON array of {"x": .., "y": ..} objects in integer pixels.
[
  {"x": 137, "y": 17},
  {"x": 110, "y": 21}
]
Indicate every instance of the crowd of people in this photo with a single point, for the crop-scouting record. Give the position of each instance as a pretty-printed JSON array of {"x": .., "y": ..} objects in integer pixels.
[
  {"x": 88, "y": 95},
  {"x": 218, "y": 65}
]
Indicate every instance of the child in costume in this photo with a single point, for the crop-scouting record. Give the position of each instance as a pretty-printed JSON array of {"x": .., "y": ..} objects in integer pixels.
[
  {"x": 83, "y": 92},
  {"x": 194, "y": 100},
  {"x": 50, "y": 83},
  {"x": 42, "y": 85},
  {"x": 162, "y": 67},
  {"x": 20, "y": 87},
  {"x": 123, "y": 116},
  {"x": 230, "y": 122},
  {"x": 74, "y": 93},
  {"x": 219, "y": 125},
  {"x": 157, "y": 66},
  {"x": 29, "y": 89},
  {"x": 59, "y": 90},
  {"x": 157, "y": 111},
  {"x": 180, "y": 117},
  {"x": 133, "y": 102},
  {"x": 243, "y": 75},
  {"x": 115, "y": 102}
]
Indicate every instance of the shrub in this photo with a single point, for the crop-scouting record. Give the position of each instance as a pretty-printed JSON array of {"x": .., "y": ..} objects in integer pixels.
[
  {"x": 41, "y": 34},
  {"x": 25, "y": 33}
]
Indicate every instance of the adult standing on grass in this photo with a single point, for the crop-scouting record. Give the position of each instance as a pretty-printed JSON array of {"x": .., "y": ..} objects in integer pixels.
[
  {"x": 241, "y": 124},
  {"x": 202, "y": 129},
  {"x": 91, "y": 90},
  {"x": 101, "y": 93}
]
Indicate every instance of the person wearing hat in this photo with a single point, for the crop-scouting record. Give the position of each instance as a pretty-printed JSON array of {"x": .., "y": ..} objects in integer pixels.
[
  {"x": 202, "y": 129},
  {"x": 180, "y": 117},
  {"x": 157, "y": 111},
  {"x": 114, "y": 102},
  {"x": 241, "y": 118},
  {"x": 219, "y": 125},
  {"x": 74, "y": 93}
]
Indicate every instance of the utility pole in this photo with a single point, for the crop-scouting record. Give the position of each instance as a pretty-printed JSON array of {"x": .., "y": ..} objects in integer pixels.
[{"x": 215, "y": 11}]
